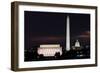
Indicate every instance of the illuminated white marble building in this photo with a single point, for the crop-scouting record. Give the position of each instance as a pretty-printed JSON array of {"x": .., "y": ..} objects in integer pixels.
[
  {"x": 77, "y": 44},
  {"x": 49, "y": 50}
]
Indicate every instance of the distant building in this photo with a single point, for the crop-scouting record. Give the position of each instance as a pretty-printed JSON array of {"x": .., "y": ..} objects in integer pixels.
[
  {"x": 77, "y": 45},
  {"x": 49, "y": 50}
]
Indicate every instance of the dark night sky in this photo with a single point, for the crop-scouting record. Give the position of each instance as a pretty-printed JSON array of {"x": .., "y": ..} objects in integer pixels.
[{"x": 46, "y": 27}]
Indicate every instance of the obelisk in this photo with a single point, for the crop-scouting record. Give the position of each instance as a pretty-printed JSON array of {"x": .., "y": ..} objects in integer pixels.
[{"x": 68, "y": 34}]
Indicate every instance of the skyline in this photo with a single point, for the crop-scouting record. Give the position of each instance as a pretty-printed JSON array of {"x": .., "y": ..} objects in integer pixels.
[{"x": 38, "y": 27}]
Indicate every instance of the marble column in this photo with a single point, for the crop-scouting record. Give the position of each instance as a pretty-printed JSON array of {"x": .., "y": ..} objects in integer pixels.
[{"x": 68, "y": 34}]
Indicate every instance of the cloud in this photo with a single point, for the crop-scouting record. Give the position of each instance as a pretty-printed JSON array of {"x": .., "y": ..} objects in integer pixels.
[
  {"x": 45, "y": 39},
  {"x": 85, "y": 34}
]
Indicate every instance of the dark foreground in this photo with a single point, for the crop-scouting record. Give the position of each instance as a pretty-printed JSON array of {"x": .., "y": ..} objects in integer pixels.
[{"x": 72, "y": 54}]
